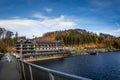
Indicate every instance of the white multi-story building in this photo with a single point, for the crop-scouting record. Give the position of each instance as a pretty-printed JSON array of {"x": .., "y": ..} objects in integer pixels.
[{"x": 39, "y": 48}]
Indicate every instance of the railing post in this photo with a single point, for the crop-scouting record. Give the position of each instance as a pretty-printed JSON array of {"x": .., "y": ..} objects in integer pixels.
[
  {"x": 31, "y": 75},
  {"x": 19, "y": 68},
  {"x": 51, "y": 77},
  {"x": 23, "y": 69},
  {"x": 16, "y": 61}
]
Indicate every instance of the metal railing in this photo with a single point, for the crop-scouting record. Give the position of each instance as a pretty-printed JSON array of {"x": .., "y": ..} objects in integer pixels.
[{"x": 29, "y": 71}]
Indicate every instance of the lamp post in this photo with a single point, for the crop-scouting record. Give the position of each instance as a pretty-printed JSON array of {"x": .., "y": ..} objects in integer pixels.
[
  {"x": 21, "y": 46},
  {"x": 35, "y": 55}
]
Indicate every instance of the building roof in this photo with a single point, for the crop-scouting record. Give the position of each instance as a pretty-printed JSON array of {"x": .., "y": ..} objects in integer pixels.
[{"x": 39, "y": 41}]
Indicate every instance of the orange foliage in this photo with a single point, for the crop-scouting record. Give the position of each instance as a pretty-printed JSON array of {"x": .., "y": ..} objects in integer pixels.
[{"x": 50, "y": 37}]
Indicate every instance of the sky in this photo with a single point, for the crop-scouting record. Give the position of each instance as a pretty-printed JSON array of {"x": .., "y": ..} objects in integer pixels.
[{"x": 36, "y": 17}]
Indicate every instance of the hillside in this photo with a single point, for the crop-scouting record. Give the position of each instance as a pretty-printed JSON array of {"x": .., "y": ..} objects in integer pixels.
[
  {"x": 53, "y": 35},
  {"x": 81, "y": 39}
]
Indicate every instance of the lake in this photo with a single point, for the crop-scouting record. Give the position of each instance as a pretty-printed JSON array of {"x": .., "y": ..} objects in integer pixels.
[{"x": 103, "y": 66}]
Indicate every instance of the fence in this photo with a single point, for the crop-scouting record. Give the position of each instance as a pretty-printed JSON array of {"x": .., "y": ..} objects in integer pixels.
[{"x": 29, "y": 71}]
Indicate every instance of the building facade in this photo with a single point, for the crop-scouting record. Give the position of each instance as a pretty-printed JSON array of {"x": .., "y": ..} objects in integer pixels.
[{"x": 39, "y": 48}]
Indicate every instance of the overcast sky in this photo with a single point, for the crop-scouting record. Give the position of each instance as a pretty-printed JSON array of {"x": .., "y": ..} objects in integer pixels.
[{"x": 35, "y": 17}]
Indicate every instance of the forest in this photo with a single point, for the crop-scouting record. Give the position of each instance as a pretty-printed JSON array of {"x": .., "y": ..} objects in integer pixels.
[{"x": 81, "y": 38}]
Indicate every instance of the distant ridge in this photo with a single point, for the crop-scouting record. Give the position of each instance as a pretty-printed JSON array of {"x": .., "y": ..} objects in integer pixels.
[
  {"x": 81, "y": 39},
  {"x": 52, "y": 35}
]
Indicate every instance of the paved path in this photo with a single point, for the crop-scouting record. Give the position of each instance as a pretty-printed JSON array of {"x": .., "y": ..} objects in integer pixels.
[{"x": 8, "y": 70}]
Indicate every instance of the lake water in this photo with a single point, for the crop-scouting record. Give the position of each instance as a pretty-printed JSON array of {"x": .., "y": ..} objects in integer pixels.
[{"x": 104, "y": 66}]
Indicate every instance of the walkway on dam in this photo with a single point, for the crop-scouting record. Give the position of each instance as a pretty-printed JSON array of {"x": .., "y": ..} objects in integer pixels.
[{"x": 8, "y": 70}]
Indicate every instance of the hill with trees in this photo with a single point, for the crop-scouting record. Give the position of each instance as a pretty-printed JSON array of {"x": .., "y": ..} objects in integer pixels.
[{"x": 81, "y": 39}]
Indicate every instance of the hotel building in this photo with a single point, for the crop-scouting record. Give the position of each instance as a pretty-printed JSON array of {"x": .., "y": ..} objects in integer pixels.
[{"x": 39, "y": 48}]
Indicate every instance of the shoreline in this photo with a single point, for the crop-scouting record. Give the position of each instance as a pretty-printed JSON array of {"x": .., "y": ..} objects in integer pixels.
[
  {"x": 87, "y": 53},
  {"x": 43, "y": 58}
]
